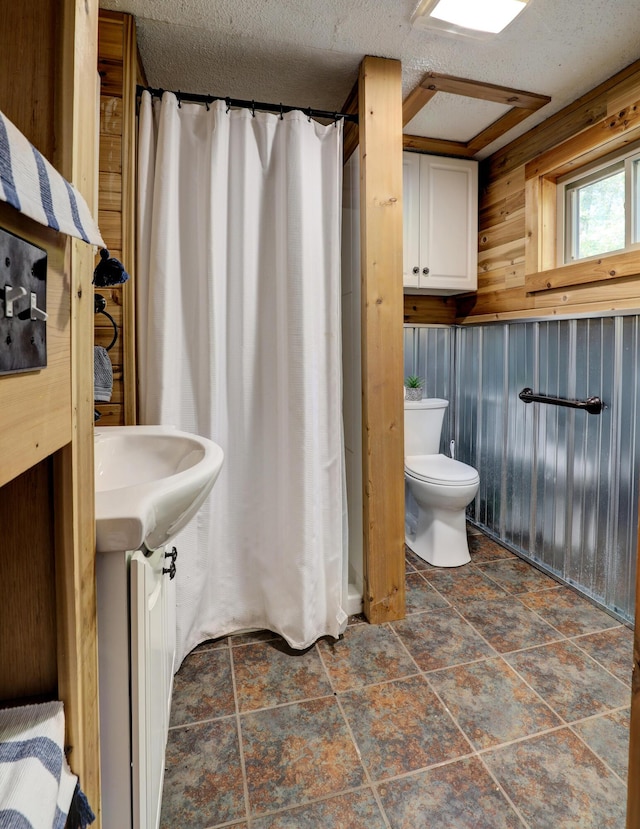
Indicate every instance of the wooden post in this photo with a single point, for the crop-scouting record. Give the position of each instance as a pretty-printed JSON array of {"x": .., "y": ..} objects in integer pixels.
[
  {"x": 73, "y": 464},
  {"x": 380, "y": 133}
]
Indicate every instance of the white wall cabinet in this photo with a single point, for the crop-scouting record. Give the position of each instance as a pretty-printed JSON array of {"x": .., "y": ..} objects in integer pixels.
[
  {"x": 136, "y": 652},
  {"x": 440, "y": 208}
]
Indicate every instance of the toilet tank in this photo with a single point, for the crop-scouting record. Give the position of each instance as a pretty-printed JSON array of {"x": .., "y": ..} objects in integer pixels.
[{"x": 423, "y": 424}]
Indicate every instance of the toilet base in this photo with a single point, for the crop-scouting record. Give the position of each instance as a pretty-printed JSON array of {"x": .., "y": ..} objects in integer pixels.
[{"x": 440, "y": 537}]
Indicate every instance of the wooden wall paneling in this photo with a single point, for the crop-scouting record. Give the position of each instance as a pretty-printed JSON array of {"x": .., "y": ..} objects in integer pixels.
[
  {"x": 28, "y": 662},
  {"x": 120, "y": 70},
  {"x": 130, "y": 78},
  {"x": 421, "y": 309},
  {"x": 581, "y": 114},
  {"x": 380, "y": 127},
  {"x": 73, "y": 464},
  {"x": 350, "y": 136},
  {"x": 29, "y": 86}
]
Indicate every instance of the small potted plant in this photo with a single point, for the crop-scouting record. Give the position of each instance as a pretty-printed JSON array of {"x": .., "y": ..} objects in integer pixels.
[{"x": 413, "y": 386}]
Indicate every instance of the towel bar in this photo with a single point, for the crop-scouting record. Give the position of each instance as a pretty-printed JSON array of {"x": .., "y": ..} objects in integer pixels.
[
  {"x": 99, "y": 305},
  {"x": 593, "y": 405}
]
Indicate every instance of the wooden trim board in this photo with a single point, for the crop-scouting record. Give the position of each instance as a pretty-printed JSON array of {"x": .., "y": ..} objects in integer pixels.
[{"x": 522, "y": 105}]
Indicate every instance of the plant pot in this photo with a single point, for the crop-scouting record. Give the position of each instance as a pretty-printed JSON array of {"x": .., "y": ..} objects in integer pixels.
[{"x": 413, "y": 394}]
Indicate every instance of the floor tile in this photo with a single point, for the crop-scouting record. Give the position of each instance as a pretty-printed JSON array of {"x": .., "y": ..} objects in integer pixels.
[
  {"x": 460, "y": 795},
  {"x": 401, "y": 726},
  {"x": 568, "y": 612},
  {"x": 507, "y": 624},
  {"x": 270, "y": 673},
  {"x": 368, "y": 654},
  {"x": 203, "y": 777},
  {"x": 556, "y": 781},
  {"x": 420, "y": 595},
  {"x": 298, "y": 753},
  {"x": 516, "y": 576},
  {"x": 415, "y": 562},
  {"x": 491, "y": 703},
  {"x": 569, "y": 681},
  {"x": 212, "y": 644},
  {"x": 463, "y": 584},
  {"x": 356, "y": 810},
  {"x": 441, "y": 639},
  {"x": 252, "y": 636},
  {"x": 608, "y": 737},
  {"x": 613, "y": 649},
  {"x": 203, "y": 688},
  {"x": 482, "y": 548}
]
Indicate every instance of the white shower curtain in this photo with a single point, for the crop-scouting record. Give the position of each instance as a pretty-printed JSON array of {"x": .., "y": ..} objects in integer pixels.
[{"x": 239, "y": 340}]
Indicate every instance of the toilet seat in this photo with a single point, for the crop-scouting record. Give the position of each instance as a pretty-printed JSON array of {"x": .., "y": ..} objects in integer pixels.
[{"x": 441, "y": 470}]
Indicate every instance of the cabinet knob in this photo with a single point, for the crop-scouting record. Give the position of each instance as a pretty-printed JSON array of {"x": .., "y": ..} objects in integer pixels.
[
  {"x": 425, "y": 271},
  {"x": 416, "y": 269}
]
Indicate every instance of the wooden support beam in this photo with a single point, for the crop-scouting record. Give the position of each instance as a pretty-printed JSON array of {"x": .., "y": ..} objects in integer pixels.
[
  {"x": 436, "y": 146},
  {"x": 73, "y": 465},
  {"x": 380, "y": 128},
  {"x": 483, "y": 91}
]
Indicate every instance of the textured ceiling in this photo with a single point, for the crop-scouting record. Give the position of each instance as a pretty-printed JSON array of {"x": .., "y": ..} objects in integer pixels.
[{"x": 307, "y": 53}]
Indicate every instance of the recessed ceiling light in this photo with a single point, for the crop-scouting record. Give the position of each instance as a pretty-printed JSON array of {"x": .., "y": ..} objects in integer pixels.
[{"x": 478, "y": 18}]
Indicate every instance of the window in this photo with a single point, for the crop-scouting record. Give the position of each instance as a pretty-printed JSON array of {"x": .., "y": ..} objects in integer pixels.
[{"x": 598, "y": 210}]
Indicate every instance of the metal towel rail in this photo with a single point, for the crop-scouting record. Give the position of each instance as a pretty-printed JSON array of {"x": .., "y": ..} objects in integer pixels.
[
  {"x": 593, "y": 405},
  {"x": 99, "y": 306}
]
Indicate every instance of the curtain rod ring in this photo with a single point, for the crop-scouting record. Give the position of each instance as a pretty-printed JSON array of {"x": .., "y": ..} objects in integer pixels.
[
  {"x": 309, "y": 115},
  {"x": 228, "y": 103},
  {"x": 253, "y": 108},
  {"x": 179, "y": 97},
  {"x": 281, "y": 112}
]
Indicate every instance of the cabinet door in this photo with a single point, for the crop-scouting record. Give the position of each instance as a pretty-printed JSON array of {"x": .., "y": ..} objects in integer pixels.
[
  {"x": 411, "y": 219},
  {"x": 448, "y": 224}
]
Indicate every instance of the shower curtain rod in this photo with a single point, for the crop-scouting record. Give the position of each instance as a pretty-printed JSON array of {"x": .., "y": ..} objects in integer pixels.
[{"x": 252, "y": 105}]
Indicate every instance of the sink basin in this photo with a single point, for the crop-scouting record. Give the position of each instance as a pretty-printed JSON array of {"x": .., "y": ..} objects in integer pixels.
[{"x": 150, "y": 481}]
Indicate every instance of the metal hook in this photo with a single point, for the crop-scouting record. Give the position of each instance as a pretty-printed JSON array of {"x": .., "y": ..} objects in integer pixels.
[
  {"x": 178, "y": 96},
  {"x": 281, "y": 113},
  {"x": 309, "y": 115},
  {"x": 253, "y": 108},
  {"x": 335, "y": 119},
  {"x": 228, "y": 103}
]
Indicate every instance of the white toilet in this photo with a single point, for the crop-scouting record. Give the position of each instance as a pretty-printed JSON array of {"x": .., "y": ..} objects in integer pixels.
[{"x": 440, "y": 487}]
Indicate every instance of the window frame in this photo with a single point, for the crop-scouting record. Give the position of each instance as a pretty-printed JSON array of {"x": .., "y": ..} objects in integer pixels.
[
  {"x": 568, "y": 185},
  {"x": 613, "y": 134}
]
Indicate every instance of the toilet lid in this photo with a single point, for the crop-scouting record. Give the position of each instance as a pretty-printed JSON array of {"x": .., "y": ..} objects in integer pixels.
[{"x": 439, "y": 469}]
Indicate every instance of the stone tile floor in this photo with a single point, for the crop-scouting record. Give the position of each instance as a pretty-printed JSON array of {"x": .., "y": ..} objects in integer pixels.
[{"x": 501, "y": 700}]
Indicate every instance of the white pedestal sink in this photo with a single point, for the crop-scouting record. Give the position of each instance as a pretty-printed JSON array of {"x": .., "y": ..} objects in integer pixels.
[{"x": 150, "y": 481}]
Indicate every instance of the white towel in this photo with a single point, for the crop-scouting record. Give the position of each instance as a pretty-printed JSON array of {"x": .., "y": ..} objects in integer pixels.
[
  {"x": 102, "y": 375},
  {"x": 30, "y": 184},
  {"x": 36, "y": 784}
]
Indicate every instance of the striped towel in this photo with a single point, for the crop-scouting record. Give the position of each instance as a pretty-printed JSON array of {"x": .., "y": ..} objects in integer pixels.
[
  {"x": 30, "y": 184},
  {"x": 36, "y": 784}
]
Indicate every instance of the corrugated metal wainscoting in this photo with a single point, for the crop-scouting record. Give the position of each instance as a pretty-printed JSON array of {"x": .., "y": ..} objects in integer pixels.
[{"x": 559, "y": 486}]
